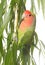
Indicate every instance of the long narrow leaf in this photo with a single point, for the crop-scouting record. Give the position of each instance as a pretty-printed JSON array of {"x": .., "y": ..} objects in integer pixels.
[
  {"x": 43, "y": 6},
  {"x": 1, "y": 11},
  {"x": 1, "y": 46},
  {"x": 14, "y": 52},
  {"x": 39, "y": 2},
  {"x": 9, "y": 57},
  {"x": 6, "y": 20}
]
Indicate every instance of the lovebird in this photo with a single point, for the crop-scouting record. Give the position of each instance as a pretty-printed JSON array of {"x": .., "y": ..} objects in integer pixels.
[
  {"x": 26, "y": 32},
  {"x": 26, "y": 28}
]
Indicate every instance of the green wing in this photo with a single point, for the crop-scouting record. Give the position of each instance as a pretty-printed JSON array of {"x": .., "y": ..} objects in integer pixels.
[{"x": 25, "y": 37}]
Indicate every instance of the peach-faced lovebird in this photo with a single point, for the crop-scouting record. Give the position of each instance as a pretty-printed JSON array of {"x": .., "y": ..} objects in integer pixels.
[
  {"x": 25, "y": 35},
  {"x": 26, "y": 28}
]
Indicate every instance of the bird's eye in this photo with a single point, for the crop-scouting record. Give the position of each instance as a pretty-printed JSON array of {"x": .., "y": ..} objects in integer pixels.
[{"x": 29, "y": 14}]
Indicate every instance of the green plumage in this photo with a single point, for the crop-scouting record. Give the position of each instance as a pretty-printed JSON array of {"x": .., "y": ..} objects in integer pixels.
[
  {"x": 25, "y": 36},
  {"x": 24, "y": 41}
]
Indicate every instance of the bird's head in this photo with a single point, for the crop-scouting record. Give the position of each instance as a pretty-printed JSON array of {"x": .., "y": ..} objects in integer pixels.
[
  {"x": 28, "y": 20},
  {"x": 27, "y": 13}
]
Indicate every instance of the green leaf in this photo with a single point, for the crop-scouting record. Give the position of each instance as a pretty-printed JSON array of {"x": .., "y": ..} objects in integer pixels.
[
  {"x": 7, "y": 18},
  {"x": 1, "y": 46},
  {"x": 14, "y": 2},
  {"x": 39, "y": 2},
  {"x": 3, "y": 3},
  {"x": 0, "y": 57},
  {"x": 33, "y": 60},
  {"x": 14, "y": 52},
  {"x": 43, "y": 6},
  {"x": 32, "y": 46},
  {"x": 29, "y": 60},
  {"x": 35, "y": 38},
  {"x": 9, "y": 58},
  {"x": 12, "y": 25},
  {"x": 9, "y": 40},
  {"x": 24, "y": 1},
  {"x": 34, "y": 43},
  {"x": 1, "y": 12},
  {"x": 42, "y": 47},
  {"x": 21, "y": 8},
  {"x": 32, "y": 5}
]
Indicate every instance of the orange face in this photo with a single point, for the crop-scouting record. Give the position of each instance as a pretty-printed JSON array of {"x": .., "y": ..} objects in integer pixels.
[{"x": 27, "y": 20}]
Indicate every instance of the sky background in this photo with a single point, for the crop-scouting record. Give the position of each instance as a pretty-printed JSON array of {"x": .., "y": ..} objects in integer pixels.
[{"x": 40, "y": 29}]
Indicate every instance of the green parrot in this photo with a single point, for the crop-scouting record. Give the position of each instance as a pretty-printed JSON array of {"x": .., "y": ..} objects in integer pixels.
[
  {"x": 26, "y": 28},
  {"x": 25, "y": 34}
]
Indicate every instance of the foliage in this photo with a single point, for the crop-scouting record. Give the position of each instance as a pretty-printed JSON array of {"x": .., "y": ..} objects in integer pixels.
[{"x": 10, "y": 23}]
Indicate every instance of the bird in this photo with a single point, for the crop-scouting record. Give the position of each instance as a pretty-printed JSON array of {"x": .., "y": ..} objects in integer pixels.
[
  {"x": 25, "y": 34},
  {"x": 26, "y": 28}
]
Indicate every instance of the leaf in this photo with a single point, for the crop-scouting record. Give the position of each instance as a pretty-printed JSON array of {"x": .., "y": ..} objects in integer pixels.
[
  {"x": 14, "y": 52},
  {"x": 35, "y": 38},
  {"x": 9, "y": 40},
  {"x": 1, "y": 11},
  {"x": 0, "y": 57},
  {"x": 34, "y": 43},
  {"x": 32, "y": 5},
  {"x": 3, "y": 3},
  {"x": 20, "y": 11},
  {"x": 6, "y": 20},
  {"x": 39, "y": 2},
  {"x": 43, "y": 6},
  {"x": 9, "y": 58},
  {"x": 12, "y": 25},
  {"x": 14, "y": 2},
  {"x": 1, "y": 46},
  {"x": 29, "y": 60},
  {"x": 24, "y": 1},
  {"x": 33, "y": 60},
  {"x": 42, "y": 48},
  {"x": 32, "y": 46}
]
